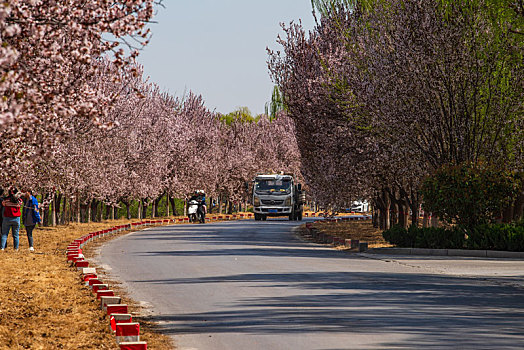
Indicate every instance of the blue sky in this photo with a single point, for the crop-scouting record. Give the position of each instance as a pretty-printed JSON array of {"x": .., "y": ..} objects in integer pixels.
[{"x": 217, "y": 48}]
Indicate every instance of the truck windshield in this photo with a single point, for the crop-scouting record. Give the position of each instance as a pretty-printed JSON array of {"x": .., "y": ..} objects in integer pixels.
[{"x": 267, "y": 186}]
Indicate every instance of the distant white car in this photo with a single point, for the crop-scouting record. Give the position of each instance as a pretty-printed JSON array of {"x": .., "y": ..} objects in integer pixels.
[{"x": 360, "y": 206}]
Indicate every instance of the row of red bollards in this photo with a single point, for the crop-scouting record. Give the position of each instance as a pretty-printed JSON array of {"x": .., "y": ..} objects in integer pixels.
[{"x": 121, "y": 323}]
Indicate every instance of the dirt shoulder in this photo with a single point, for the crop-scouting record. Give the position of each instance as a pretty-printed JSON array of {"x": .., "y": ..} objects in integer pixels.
[
  {"x": 358, "y": 230},
  {"x": 44, "y": 305}
]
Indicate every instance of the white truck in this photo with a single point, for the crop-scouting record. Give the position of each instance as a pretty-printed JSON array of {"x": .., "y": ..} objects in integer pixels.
[{"x": 277, "y": 195}]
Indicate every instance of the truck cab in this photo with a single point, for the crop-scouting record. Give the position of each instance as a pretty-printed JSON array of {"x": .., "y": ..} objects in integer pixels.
[{"x": 277, "y": 195}]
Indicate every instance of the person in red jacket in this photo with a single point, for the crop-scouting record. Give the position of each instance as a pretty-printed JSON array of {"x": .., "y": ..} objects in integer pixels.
[{"x": 11, "y": 214}]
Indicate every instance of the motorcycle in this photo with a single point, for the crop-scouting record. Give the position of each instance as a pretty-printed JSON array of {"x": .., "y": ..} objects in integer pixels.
[{"x": 192, "y": 211}]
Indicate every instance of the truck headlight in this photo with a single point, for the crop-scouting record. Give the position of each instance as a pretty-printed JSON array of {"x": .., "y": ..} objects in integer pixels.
[
  {"x": 287, "y": 203},
  {"x": 256, "y": 202}
]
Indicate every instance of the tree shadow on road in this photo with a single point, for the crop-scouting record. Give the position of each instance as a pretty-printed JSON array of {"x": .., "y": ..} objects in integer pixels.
[
  {"x": 427, "y": 311},
  {"x": 395, "y": 310},
  {"x": 219, "y": 241}
]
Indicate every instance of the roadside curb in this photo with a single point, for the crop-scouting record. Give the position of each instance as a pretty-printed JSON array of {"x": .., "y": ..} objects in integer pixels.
[
  {"x": 121, "y": 324},
  {"x": 448, "y": 252},
  {"x": 362, "y": 247}
]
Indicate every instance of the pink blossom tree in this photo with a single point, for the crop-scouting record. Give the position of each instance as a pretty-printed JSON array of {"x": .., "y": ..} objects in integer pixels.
[{"x": 48, "y": 53}]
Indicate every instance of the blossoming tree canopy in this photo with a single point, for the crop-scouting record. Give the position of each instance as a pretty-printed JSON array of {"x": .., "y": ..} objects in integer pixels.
[{"x": 49, "y": 49}]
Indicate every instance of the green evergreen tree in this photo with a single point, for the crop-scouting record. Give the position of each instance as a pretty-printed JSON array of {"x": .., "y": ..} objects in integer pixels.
[{"x": 276, "y": 105}]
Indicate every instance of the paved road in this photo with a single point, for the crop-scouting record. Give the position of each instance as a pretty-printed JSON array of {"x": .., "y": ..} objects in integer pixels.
[{"x": 253, "y": 285}]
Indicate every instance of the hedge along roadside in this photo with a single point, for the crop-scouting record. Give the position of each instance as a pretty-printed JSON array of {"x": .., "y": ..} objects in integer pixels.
[{"x": 503, "y": 237}]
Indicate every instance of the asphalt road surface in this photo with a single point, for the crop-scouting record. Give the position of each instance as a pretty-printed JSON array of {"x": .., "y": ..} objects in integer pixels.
[{"x": 254, "y": 285}]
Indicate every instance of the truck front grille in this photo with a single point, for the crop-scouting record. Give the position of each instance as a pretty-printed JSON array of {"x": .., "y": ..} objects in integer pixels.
[{"x": 272, "y": 202}]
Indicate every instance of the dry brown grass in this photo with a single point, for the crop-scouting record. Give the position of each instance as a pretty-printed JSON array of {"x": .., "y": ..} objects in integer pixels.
[
  {"x": 44, "y": 305},
  {"x": 361, "y": 230}
]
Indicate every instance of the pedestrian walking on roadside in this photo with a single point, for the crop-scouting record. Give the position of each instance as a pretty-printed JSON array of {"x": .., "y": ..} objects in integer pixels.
[
  {"x": 12, "y": 204},
  {"x": 30, "y": 216},
  {"x": 1, "y": 211}
]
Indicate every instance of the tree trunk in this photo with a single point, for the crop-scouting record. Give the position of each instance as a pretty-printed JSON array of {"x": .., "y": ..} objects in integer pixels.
[
  {"x": 167, "y": 205},
  {"x": 415, "y": 208},
  {"x": 94, "y": 210},
  {"x": 157, "y": 206},
  {"x": 415, "y": 214},
  {"x": 426, "y": 219},
  {"x": 403, "y": 214},
  {"x": 144, "y": 209},
  {"x": 434, "y": 222},
  {"x": 72, "y": 210},
  {"x": 97, "y": 209},
  {"x": 394, "y": 214},
  {"x": 518, "y": 211},
  {"x": 108, "y": 212},
  {"x": 78, "y": 213},
  {"x": 92, "y": 213},
  {"x": 173, "y": 205},
  {"x": 83, "y": 211},
  {"x": 402, "y": 222},
  {"x": 101, "y": 212},
  {"x": 153, "y": 209},
  {"x": 374, "y": 216},
  {"x": 45, "y": 211},
  {"x": 128, "y": 210},
  {"x": 89, "y": 210},
  {"x": 63, "y": 214},
  {"x": 56, "y": 208},
  {"x": 386, "y": 215},
  {"x": 508, "y": 214}
]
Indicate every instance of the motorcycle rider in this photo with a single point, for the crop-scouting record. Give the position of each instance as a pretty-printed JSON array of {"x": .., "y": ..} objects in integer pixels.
[
  {"x": 202, "y": 207},
  {"x": 200, "y": 197},
  {"x": 194, "y": 197}
]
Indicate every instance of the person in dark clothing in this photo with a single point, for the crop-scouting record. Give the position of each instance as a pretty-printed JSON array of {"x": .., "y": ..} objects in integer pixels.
[
  {"x": 202, "y": 208},
  {"x": 31, "y": 216},
  {"x": 200, "y": 197},
  {"x": 194, "y": 197},
  {"x": 1, "y": 209}
]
